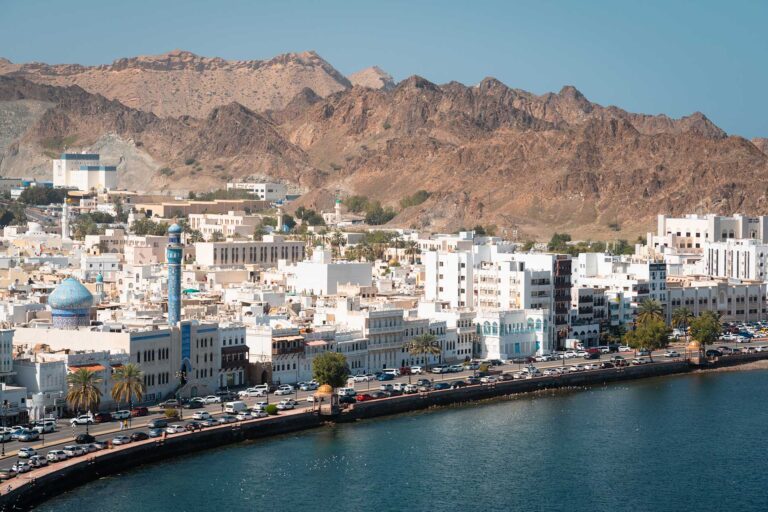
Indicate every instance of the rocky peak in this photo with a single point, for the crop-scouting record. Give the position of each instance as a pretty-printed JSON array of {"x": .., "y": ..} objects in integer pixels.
[{"x": 374, "y": 78}]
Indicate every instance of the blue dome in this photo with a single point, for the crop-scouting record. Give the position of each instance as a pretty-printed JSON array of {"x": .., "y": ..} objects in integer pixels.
[
  {"x": 99, "y": 278},
  {"x": 70, "y": 295},
  {"x": 175, "y": 228}
]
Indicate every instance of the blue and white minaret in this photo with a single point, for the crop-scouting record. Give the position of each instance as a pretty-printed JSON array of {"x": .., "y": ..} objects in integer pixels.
[{"x": 174, "y": 253}]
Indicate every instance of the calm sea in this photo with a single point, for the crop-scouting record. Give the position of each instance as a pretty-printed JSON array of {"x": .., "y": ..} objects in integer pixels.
[{"x": 695, "y": 442}]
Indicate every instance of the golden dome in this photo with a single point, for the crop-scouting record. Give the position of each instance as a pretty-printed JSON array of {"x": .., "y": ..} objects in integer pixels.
[{"x": 325, "y": 389}]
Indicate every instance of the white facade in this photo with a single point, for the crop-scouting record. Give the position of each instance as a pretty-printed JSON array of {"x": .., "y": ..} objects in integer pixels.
[
  {"x": 266, "y": 252},
  {"x": 322, "y": 276},
  {"x": 265, "y": 191},
  {"x": 738, "y": 259},
  {"x": 733, "y": 300},
  {"x": 513, "y": 333},
  {"x": 83, "y": 171},
  {"x": 227, "y": 225}
]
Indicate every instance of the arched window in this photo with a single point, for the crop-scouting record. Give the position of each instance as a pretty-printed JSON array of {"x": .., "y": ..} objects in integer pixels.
[
  {"x": 530, "y": 323},
  {"x": 538, "y": 324},
  {"x": 486, "y": 327},
  {"x": 495, "y": 328}
]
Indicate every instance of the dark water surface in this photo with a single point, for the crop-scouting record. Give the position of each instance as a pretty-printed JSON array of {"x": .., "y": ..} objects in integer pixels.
[{"x": 695, "y": 442}]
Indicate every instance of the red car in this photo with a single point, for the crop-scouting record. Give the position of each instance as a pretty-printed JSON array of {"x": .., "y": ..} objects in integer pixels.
[
  {"x": 139, "y": 411},
  {"x": 363, "y": 397},
  {"x": 405, "y": 370}
]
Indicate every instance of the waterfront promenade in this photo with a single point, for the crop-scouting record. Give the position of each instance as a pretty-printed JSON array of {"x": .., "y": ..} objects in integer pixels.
[{"x": 36, "y": 486}]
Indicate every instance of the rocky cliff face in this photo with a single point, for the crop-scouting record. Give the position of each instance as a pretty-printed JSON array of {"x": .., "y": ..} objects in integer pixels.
[{"x": 489, "y": 153}]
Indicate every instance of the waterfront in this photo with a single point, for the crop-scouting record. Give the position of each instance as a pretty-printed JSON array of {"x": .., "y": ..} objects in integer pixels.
[{"x": 662, "y": 444}]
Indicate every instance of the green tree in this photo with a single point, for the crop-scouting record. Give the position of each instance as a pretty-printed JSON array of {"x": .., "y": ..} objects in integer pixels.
[
  {"x": 83, "y": 393},
  {"x": 559, "y": 242},
  {"x": 42, "y": 195},
  {"x": 411, "y": 250},
  {"x": 648, "y": 309},
  {"x": 706, "y": 329},
  {"x": 128, "y": 383},
  {"x": 424, "y": 345},
  {"x": 650, "y": 334},
  {"x": 356, "y": 204},
  {"x": 330, "y": 368},
  {"x": 143, "y": 227},
  {"x": 376, "y": 214},
  {"x": 415, "y": 199}
]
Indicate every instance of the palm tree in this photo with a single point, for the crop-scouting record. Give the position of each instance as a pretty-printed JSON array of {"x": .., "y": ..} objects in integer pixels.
[
  {"x": 650, "y": 309},
  {"x": 681, "y": 319},
  {"x": 129, "y": 382},
  {"x": 337, "y": 241},
  {"x": 411, "y": 250},
  {"x": 84, "y": 393},
  {"x": 423, "y": 345}
]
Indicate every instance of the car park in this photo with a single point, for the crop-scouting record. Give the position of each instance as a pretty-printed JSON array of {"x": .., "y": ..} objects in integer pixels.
[{"x": 121, "y": 440}]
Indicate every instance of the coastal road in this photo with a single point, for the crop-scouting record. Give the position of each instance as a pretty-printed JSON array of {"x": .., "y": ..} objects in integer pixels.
[{"x": 66, "y": 434}]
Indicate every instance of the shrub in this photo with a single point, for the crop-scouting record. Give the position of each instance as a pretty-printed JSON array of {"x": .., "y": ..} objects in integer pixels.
[
  {"x": 189, "y": 161},
  {"x": 387, "y": 126},
  {"x": 271, "y": 409},
  {"x": 166, "y": 171},
  {"x": 170, "y": 412}
]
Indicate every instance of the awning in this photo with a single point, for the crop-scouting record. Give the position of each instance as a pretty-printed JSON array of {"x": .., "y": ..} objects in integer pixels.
[
  {"x": 91, "y": 367},
  {"x": 317, "y": 343},
  {"x": 288, "y": 338}
]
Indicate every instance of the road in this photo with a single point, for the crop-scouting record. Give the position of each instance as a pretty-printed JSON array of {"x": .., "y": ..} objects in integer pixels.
[{"x": 103, "y": 431}]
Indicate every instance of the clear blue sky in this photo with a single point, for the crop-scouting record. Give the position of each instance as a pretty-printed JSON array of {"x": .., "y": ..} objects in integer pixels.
[{"x": 650, "y": 56}]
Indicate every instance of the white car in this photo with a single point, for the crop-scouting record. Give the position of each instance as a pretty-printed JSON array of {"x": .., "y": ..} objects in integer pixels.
[
  {"x": 259, "y": 414},
  {"x": 45, "y": 427},
  {"x": 417, "y": 370},
  {"x": 243, "y": 416},
  {"x": 73, "y": 450},
  {"x": 253, "y": 392},
  {"x": 175, "y": 429},
  {"x": 284, "y": 405},
  {"x": 309, "y": 386},
  {"x": 121, "y": 415},
  {"x": 311, "y": 398},
  {"x": 576, "y": 368},
  {"x": 285, "y": 389},
  {"x": 671, "y": 353},
  {"x": 360, "y": 378},
  {"x": 201, "y": 415},
  {"x": 27, "y": 452},
  {"x": 570, "y": 354},
  {"x": 212, "y": 399},
  {"x": 489, "y": 379},
  {"x": 56, "y": 456},
  {"x": 38, "y": 461},
  {"x": 550, "y": 372},
  {"x": 83, "y": 419},
  {"x": 625, "y": 348},
  {"x": 410, "y": 388},
  {"x": 259, "y": 406},
  {"x": 590, "y": 366},
  {"x": 121, "y": 440},
  {"x": 21, "y": 467}
]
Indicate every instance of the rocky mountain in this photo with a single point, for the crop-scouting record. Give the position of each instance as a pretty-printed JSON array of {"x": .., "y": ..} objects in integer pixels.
[
  {"x": 373, "y": 77},
  {"x": 489, "y": 154},
  {"x": 182, "y": 83}
]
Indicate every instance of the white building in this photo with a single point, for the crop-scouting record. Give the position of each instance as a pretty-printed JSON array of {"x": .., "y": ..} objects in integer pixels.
[
  {"x": 266, "y": 191},
  {"x": 513, "y": 333},
  {"x": 733, "y": 300},
  {"x": 227, "y": 225},
  {"x": 322, "y": 276},
  {"x": 83, "y": 171},
  {"x": 266, "y": 252},
  {"x": 46, "y": 383},
  {"x": 738, "y": 259}
]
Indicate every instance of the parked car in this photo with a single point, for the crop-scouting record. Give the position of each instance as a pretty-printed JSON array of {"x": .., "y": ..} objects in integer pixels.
[
  {"x": 175, "y": 429},
  {"x": 410, "y": 388},
  {"x": 83, "y": 419},
  {"x": 29, "y": 435},
  {"x": 259, "y": 406},
  {"x": 286, "y": 404},
  {"x": 121, "y": 440},
  {"x": 212, "y": 399},
  {"x": 455, "y": 368},
  {"x": 7, "y": 474},
  {"x": 624, "y": 348},
  {"x": 494, "y": 362},
  {"x": 223, "y": 420},
  {"x": 156, "y": 432},
  {"x": 195, "y": 404},
  {"x": 45, "y": 427},
  {"x": 489, "y": 379},
  {"x": 458, "y": 384},
  {"x": 606, "y": 364},
  {"x": 671, "y": 353},
  {"x": 385, "y": 376},
  {"x": 417, "y": 370},
  {"x": 345, "y": 399},
  {"x": 440, "y": 368},
  {"x": 360, "y": 377},
  {"x": 56, "y": 455},
  {"x": 201, "y": 415},
  {"x": 386, "y": 387},
  {"x": 243, "y": 416},
  {"x": 85, "y": 439},
  {"x": 21, "y": 467},
  {"x": 259, "y": 414},
  {"x": 157, "y": 423},
  {"x": 309, "y": 386},
  {"x": 169, "y": 404},
  {"x": 26, "y": 452},
  {"x": 121, "y": 415},
  {"x": 102, "y": 417},
  {"x": 139, "y": 411},
  {"x": 472, "y": 380},
  {"x": 285, "y": 389},
  {"x": 73, "y": 450},
  {"x": 139, "y": 436},
  {"x": 363, "y": 397}
]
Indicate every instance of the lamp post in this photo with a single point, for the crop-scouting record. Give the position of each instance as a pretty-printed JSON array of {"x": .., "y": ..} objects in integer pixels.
[{"x": 5, "y": 413}]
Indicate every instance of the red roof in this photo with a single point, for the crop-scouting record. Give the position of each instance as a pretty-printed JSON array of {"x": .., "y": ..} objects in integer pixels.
[{"x": 92, "y": 367}]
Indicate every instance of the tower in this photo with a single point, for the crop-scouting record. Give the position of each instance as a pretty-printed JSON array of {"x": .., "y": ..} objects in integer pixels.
[
  {"x": 279, "y": 226},
  {"x": 337, "y": 211},
  {"x": 99, "y": 288},
  {"x": 173, "y": 254},
  {"x": 65, "y": 220}
]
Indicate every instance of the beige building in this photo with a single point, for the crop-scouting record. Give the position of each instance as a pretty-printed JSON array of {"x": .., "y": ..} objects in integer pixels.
[{"x": 266, "y": 252}]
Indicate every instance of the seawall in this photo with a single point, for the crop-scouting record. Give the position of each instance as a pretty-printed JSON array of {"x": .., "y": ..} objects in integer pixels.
[{"x": 65, "y": 476}]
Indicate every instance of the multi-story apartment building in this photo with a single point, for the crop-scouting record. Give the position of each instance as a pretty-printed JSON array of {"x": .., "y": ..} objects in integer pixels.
[
  {"x": 733, "y": 300},
  {"x": 266, "y": 252},
  {"x": 739, "y": 259},
  {"x": 265, "y": 191}
]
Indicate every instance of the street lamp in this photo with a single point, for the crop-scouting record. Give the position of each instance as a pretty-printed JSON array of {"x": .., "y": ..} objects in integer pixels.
[{"x": 5, "y": 413}]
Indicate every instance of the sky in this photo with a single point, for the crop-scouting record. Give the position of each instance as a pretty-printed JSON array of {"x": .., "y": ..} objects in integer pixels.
[{"x": 672, "y": 57}]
